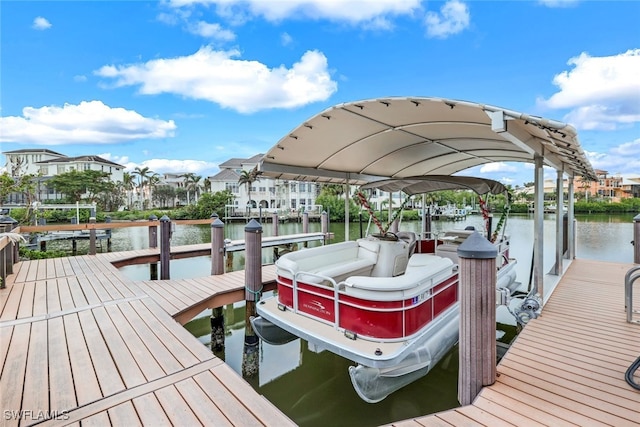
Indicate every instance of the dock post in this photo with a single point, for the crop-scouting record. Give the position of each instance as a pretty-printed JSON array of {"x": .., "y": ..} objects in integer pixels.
[
  {"x": 165, "y": 247},
  {"x": 274, "y": 223},
  {"x": 324, "y": 225},
  {"x": 217, "y": 267},
  {"x": 252, "y": 293},
  {"x": 74, "y": 246},
  {"x": 305, "y": 226},
  {"x": 43, "y": 246},
  {"x": 92, "y": 237},
  {"x": 153, "y": 233},
  {"x": 217, "y": 247},
  {"x": 107, "y": 219},
  {"x": 478, "y": 278},
  {"x": 636, "y": 239},
  {"x": 3, "y": 260}
]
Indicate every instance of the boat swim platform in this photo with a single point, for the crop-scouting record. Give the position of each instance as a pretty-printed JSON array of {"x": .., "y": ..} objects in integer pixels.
[
  {"x": 567, "y": 367},
  {"x": 79, "y": 342}
]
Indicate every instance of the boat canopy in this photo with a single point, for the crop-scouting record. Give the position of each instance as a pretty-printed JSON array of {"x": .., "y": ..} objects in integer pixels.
[
  {"x": 426, "y": 184},
  {"x": 399, "y": 137}
]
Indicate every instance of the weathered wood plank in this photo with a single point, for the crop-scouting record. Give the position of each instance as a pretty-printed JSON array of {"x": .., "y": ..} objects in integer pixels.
[
  {"x": 124, "y": 415},
  {"x": 13, "y": 371},
  {"x": 35, "y": 394},
  {"x": 201, "y": 404},
  {"x": 105, "y": 367},
  {"x": 150, "y": 411},
  {"x": 175, "y": 407},
  {"x": 85, "y": 381},
  {"x": 63, "y": 395}
]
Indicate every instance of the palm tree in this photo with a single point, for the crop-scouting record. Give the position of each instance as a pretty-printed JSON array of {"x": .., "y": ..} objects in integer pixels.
[
  {"x": 143, "y": 175},
  {"x": 152, "y": 181},
  {"x": 191, "y": 182},
  {"x": 248, "y": 178},
  {"x": 206, "y": 185},
  {"x": 128, "y": 183}
]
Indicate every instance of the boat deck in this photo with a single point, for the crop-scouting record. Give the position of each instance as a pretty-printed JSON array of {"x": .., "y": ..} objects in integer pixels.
[{"x": 567, "y": 367}]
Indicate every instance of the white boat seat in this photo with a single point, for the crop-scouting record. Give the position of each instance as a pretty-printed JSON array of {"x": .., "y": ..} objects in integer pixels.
[
  {"x": 423, "y": 272},
  {"x": 337, "y": 261}
]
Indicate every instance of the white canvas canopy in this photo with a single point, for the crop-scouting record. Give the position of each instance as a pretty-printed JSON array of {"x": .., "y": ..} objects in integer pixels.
[
  {"x": 364, "y": 141},
  {"x": 426, "y": 184}
]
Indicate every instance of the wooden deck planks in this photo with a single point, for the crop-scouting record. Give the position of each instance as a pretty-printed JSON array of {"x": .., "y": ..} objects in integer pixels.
[
  {"x": 567, "y": 367},
  {"x": 139, "y": 367}
]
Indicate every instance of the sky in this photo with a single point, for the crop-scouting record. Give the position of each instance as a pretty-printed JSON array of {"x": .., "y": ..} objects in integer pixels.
[{"x": 183, "y": 85}]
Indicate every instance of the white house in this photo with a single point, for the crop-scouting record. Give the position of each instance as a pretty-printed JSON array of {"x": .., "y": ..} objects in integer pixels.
[
  {"x": 272, "y": 195},
  {"x": 47, "y": 163}
]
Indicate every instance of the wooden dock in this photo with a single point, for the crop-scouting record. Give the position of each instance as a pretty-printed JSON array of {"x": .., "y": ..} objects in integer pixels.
[
  {"x": 567, "y": 367},
  {"x": 80, "y": 343}
]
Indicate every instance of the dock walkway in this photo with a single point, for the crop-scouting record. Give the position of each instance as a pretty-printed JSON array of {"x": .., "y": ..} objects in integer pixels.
[
  {"x": 567, "y": 367},
  {"x": 80, "y": 343}
]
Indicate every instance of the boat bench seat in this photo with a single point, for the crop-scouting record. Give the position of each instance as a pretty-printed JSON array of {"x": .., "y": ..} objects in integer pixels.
[
  {"x": 423, "y": 272},
  {"x": 337, "y": 261}
]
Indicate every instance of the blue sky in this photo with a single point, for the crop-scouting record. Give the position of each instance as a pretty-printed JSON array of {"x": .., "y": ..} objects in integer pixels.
[{"x": 183, "y": 85}]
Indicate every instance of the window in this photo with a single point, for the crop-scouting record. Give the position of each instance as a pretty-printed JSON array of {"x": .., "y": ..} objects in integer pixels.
[
  {"x": 86, "y": 166},
  {"x": 60, "y": 169},
  {"x": 44, "y": 170},
  {"x": 263, "y": 189},
  {"x": 293, "y": 187},
  {"x": 231, "y": 186},
  {"x": 293, "y": 203},
  {"x": 303, "y": 187}
]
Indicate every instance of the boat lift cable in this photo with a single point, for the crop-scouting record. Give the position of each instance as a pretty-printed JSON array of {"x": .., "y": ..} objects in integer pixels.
[{"x": 629, "y": 374}]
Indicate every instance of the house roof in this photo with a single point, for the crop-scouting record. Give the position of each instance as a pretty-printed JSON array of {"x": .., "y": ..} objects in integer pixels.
[
  {"x": 237, "y": 162},
  {"x": 400, "y": 137},
  {"x": 33, "y": 150},
  {"x": 225, "y": 175},
  {"x": 96, "y": 159}
]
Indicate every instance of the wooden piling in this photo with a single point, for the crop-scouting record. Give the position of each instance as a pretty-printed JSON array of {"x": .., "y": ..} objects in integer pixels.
[
  {"x": 274, "y": 224},
  {"x": 252, "y": 293},
  {"x": 217, "y": 247},
  {"x": 217, "y": 329},
  {"x": 305, "y": 225},
  {"x": 92, "y": 237},
  {"x": 636, "y": 239},
  {"x": 324, "y": 225},
  {"x": 165, "y": 247},
  {"x": 477, "y": 275},
  {"x": 153, "y": 233}
]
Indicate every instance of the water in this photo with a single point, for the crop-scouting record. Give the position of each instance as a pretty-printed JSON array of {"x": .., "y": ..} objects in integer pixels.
[{"x": 315, "y": 389}]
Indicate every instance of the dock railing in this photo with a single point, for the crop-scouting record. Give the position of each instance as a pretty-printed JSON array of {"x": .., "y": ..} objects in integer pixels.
[{"x": 632, "y": 275}]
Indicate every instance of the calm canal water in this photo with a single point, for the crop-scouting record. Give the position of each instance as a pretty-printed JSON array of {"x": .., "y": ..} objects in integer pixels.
[{"x": 315, "y": 389}]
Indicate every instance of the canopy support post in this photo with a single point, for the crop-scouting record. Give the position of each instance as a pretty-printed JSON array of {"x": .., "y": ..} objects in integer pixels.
[
  {"x": 571, "y": 235},
  {"x": 538, "y": 225},
  {"x": 559, "y": 222}
]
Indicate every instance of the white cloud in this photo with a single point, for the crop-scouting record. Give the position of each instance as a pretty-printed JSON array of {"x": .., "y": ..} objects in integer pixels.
[
  {"x": 41, "y": 23},
  {"x": 160, "y": 166},
  {"x": 350, "y": 11},
  {"x": 558, "y": 3},
  {"x": 498, "y": 167},
  {"x": 286, "y": 39},
  {"x": 211, "y": 31},
  {"x": 453, "y": 18},
  {"x": 80, "y": 78},
  {"x": 87, "y": 122},
  {"x": 602, "y": 92},
  {"x": 623, "y": 159},
  {"x": 242, "y": 85},
  {"x": 121, "y": 160}
]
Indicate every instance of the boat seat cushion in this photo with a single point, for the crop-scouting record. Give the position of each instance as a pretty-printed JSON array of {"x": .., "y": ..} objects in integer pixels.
[
  {"x": 337, "y": 261},
  {"x": 424, "y": 271}
]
